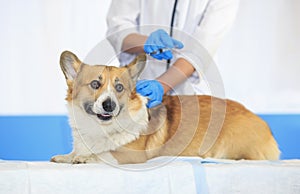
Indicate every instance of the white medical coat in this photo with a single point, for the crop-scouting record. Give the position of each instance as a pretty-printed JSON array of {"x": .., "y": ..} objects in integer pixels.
[{"x": 199, "y": 24}]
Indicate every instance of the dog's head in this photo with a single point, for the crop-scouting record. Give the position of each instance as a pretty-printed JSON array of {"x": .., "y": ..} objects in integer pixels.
[{"x": 104, "y": 93}]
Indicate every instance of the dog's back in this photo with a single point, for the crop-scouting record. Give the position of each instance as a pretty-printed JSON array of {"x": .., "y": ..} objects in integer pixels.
[
  {"x": 202, "y": 126},
  {"x": 212, "y": 127}
]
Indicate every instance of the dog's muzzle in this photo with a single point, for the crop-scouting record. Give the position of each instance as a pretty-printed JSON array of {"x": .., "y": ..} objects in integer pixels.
[{"x": 105, "y": 112}]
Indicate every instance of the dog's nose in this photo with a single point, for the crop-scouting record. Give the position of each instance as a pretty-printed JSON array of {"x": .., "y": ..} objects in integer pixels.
[{"x": 109, "y": 105}]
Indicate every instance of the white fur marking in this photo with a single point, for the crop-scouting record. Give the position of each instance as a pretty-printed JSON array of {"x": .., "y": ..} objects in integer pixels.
[{"x": 90, "y": 135}]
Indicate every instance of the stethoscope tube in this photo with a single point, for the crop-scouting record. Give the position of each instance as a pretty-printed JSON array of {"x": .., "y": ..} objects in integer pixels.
[{"x": 171, "y": 27}]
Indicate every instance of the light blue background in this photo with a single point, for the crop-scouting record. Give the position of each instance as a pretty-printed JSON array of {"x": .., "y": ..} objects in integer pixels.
[{"x": 37, "y": 138}]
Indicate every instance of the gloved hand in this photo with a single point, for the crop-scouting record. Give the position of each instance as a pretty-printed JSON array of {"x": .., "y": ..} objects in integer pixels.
[
  {"x": 151, "y": 89},
  {"x": 159, "y": 43}
]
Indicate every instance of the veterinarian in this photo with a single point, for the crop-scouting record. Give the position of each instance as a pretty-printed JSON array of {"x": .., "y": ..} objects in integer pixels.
[{"x": 151, "y": 26}]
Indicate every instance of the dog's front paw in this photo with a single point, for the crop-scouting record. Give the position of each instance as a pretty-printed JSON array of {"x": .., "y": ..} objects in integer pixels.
[
  {"x": 82, "y": 159},
  {"x": 62, "y": 158}
]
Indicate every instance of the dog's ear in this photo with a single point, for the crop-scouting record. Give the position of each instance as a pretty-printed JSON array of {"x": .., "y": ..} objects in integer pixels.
[
  {"x": 136, "y": 67},
  {"x": 70, "y": 65}
]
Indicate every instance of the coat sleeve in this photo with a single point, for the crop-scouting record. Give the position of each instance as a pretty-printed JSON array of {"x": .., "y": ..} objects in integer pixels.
[
  {"x": 122, "y": 19},
  {"x": 214, "y": 23},
  {"x": 201, "y": 45}
]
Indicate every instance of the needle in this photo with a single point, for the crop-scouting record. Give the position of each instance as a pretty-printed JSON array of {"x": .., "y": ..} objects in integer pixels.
[{"x": 161, "y": 50}]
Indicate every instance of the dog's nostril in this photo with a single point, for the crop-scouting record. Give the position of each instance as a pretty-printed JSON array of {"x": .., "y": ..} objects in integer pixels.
[{"x": 109, "y": 105}]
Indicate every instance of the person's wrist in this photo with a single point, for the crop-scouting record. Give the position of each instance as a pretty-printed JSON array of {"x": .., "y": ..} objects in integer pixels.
[{"x": 165, "y": 86}]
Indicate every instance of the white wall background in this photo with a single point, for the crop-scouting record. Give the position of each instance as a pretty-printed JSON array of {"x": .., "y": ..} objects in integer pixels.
[{"x": 259, "y": 60}]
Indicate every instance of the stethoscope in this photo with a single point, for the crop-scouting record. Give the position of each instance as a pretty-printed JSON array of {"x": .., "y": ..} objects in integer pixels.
[
  {"x": 170, "y": 33},
  {"x": 172, "y": 23},
  {"x": 171, "y": 28}
]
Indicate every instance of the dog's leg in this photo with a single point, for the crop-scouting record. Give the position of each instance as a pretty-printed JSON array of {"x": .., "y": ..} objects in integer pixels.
[
  {"x": 82, "y": 159},
  {"x": 67, "y": 158},
  {"x": 106, "y": 157}
]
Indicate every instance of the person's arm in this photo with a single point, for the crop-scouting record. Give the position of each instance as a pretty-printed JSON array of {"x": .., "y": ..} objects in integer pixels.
[
  {"x": 121, "y": 19},
  {"x": 134, "y": 43},
  {"x": 176, "y": 74},
  {"x": 155, "y": 89}
]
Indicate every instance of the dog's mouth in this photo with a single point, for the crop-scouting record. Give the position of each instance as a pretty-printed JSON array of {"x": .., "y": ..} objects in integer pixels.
[{"x": 105, "y": 116}]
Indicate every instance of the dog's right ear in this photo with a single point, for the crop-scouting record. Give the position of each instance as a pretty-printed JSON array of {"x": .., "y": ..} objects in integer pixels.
[
  {"x": 136, "y": 67},
  {"x": 70, "y": 65}
]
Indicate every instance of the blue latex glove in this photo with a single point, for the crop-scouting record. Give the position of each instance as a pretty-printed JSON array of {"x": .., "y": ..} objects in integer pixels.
[
  {"x": 159, "y": 45},
  {"x": 151, "y": 89}
]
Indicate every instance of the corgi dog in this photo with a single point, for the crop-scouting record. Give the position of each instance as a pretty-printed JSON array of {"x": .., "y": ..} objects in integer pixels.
[{"x": 110, "y": 121}]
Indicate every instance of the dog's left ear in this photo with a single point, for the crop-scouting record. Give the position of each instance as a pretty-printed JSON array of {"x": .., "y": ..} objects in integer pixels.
[{"x": 136, "y": 67}]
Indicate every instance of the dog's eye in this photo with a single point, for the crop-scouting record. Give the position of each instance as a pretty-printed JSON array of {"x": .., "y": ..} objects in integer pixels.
[
  {"x": 95, "y": 84},
  {"x": 119, "y": 87}
]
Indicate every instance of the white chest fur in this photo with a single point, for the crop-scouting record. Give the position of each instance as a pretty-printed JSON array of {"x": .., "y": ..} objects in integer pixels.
[{"x": 90, "y": 135}]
